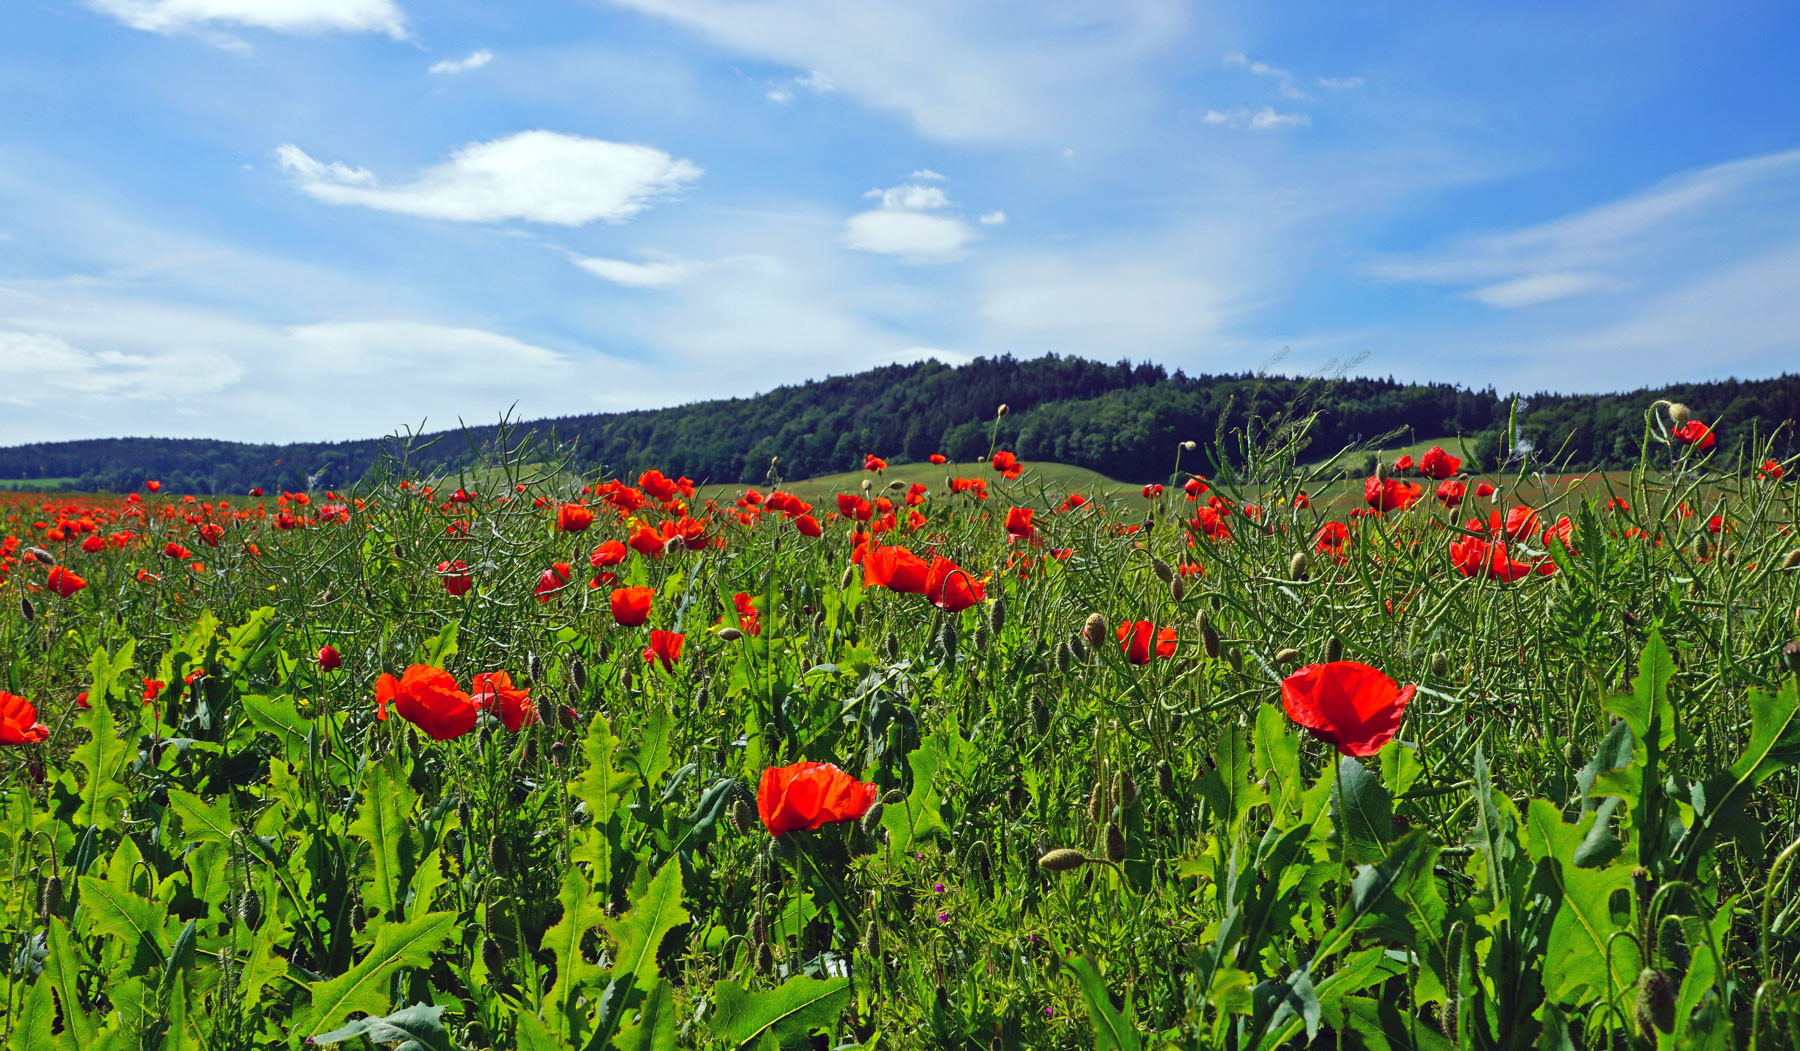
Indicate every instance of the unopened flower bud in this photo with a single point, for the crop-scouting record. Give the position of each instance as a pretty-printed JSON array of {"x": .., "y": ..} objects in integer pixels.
[
  {"x": 894, "y": 797},
  {"x": 1094, "y": 630},
  {"x": 1791, "y": 559},
  {"x": 25, "y": 609},
  {"x": 1655, "y": 1003},
  {"x": 1115, "y": 843},
  {"x": 1162, "y": 569},
  {"x": 1062, "y": 859},
  {"x": 997, "y": 614},
  {"x": 871, "y": 819},
  {"x": 1190, "y": 446},
  {"x": 1299, "y": 566},
  {"x": 1125, "y": 787},
  {"x": 848, "y": 578},
  {"x": 1790, "y": 656},
  {"x": 1002, "y": 411},
  {"x": 1096, "y": 807},
  {"x": 1177, "y": 589},
  {"x": 1165, "y": 779},
  {"x": 743, "y": 817},
  {"x": 1679, "y": 414},
  {"x": 730, "y": 634},
  {"x": 1334, "y": 650},
  {"x": 1287, "y": 655},
  {"x": 1440, "y": 665}
]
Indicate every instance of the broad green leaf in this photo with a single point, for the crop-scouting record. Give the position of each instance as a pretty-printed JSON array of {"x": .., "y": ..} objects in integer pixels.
[
  {"x": 418, "y": 1028},
  {"x": 1575, "y": 958},
  {"x": 579, "y": 915},
  {"x": 63, "y": 965},
  {"x": 1702, "y": 970},
  {"x": 1400, "y": 767},
  {"x": 102, "y": 755},
  {"x": 1229, "y": 788},
  {"x": 1649, "y": 697},
  {"x": 655, "y": 754},
  {"x": 32, "y": 1027},
  {"x": 364, "y": 986},
  {"x": 599, "y": 788},
  {"x": 1381, "y": 895},
  {"x": 249, "y": 643},
  {"x": 278, "y": 716},
  {"x": 637, "y": 934},
  {"x": 1774, "y": 746},
  {"x": 381, "y": 817},
  {"x": 654, "y": 1029},
  {"x": 114, "y": 911},
  {"x": 1361, "y": 812},
  {"x": 1113, "y": 1030},
  {"x": 202, "y": 822},
  {"x": 1613, "y": 754},
  {"x": 918, "y": 817},
  {"x": 533, "y": 1035},
  {"x": 1383, "y": 1027},
  {"x": 1277, "y": 754},
  {"x": 788, "y": 1013}
]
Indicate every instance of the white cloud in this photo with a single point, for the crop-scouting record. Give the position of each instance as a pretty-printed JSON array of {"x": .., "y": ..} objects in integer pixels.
[
  {"x": 1265, "y": 119},
  {"x": 1340, "y": 83},
  {"x": 539, "y": 176},
  {"x": 926, "y": 173},
  {"x": 815, "y": 82},
  {"x": 993, "y": 218},
  {"x": 283, "y": 16},
  {"x": 47, "y": 367},
  {"x": 780, "y": 96},
  {"x": 1284, "y": 80},
  {"x": 475, "y": 60},
  {"x": 902, "y": 226},
  {"x": 957, "y": 71},
  {"x": 1540, "y": 288},
  {"x": 1089, "y": 305},
  {"x": 654, "y": 274}
]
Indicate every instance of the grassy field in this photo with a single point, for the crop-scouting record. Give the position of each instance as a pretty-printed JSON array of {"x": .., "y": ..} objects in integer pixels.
[
  {"x": 1058, "y": 478},
  {"x": 551, "y": 770},
  {"x": 27, "y": 485}
]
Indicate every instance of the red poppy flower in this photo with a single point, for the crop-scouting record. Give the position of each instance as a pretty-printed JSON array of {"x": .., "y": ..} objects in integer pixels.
[
  {"x": 174, "y": 550},
  {"x": 1404, "y": 463},
  {"x": 428, "y": 698},
  {"x": 631, "y": 606},
  {"x": 462, "y": 496},
  {"x": 329, "y": 659},
  {"x": 64, "y": 582},
  {"x": 93, "y": 545},
  {"x": 1332, "y": 538},
  {"x": 211, "y": 533},
  {"x": 658, "y": 486},
  {"x": 806, "y": 796},
  {"x": 573, "y": 518},
  {"x": 1018, "y": 522},
  {"x": 552, "y": 580},
  {"x": 1696, "y": 434},
  {"x": 1521, "y": 522},
  {"x": 1008, "y": 465},
  {"x": 1152, "y": 491},
  {"x": 749, "y": 617},
  {"x": 1564, "y": 532},
  {"x": 1772, "y": 471},
  {"x": 153, "y": 486},
  {"x": 1347, "y": 704},
  {"x": 950, "y": 588},
  {"x": 1451, "y": 493},
  {"x": 1438, "y": 464},
  {"x": 1474, "y": 557},
  {"x": 18, "y": 721},
  {"x": 871, "y": 462},
  {"x": 808, "y": 526},
  {"x": 1484, "y": 489},
  {"x": 1195, "y": 487},
  {"x": 256, "y": 491},
  {"x": 915, "y": 494},
  {"x": 896, "y": 569},
  {"x": 1135, "y": 637},
  {"x": 493, "y": 692},
  {"x": 665, "y": 646},
  {"x": 457, "y": 580},
  {"x": 855, "y": 507},
  {"x": 938, "y": 458},
  {"x": 1390, "y": 494}
]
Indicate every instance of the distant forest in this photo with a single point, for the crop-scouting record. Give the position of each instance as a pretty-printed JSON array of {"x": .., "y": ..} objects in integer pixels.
[{"x": 1124, "y": 420}]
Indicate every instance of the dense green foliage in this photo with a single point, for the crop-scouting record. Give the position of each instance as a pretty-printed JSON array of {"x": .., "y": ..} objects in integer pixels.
[
  {"x": 1585, "y": 834},
  {"x": 1120, "y": 420}
]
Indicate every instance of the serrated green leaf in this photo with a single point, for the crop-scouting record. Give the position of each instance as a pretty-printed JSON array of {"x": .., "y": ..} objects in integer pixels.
[
  {"x": 416, "y": 1028},
  {"x": 102, "y": 756},
  {"x": 382, "y": 811},
  {"x": 1362, "y": 815},
  {"x": 1277, "y": 755},
  {"x": 637, "y": 934},
  {"x": 1575, "y": 957},
  {"x": 579, "y": 915},
  {"x": 114, "y": 911},
  {"x": 1229, "y": 788},
  {"x": 63, "y": 964},
  {"x": 364, "y": 986},
  {"x": 202, "y": 822},
  {"x": 655, "y": 754},
  {"x": 788, "y": 1013},
  {"x": 32, "y": 1027},
  {"x": 654, "y": 1029}
]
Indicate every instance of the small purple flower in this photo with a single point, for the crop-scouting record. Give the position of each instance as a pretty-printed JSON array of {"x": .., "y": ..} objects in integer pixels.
[
  {"x": 943, "y": 917},
  {"x": 1049, "y": 1012},
  {"x": 941, "y": 888}
]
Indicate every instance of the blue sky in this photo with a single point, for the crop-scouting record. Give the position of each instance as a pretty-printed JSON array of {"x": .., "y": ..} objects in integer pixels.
[{"x": 322, "y": 219}]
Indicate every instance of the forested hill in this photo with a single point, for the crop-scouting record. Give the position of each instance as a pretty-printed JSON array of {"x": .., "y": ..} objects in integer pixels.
[{"x": 1124, "y": 420}]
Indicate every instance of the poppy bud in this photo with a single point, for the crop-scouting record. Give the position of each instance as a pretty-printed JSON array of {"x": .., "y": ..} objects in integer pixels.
[
  {"x": 947, "y": 639},
  {"x": 730, "y": 634},
  {"x": 1161, "y": 569},
  {"x": 568, "y": 717},
  {"x": 1002, "y": 411},
  {"x": 1210, "y": 639},
  {"x": 1078, "y": 651},
  {"x": 464, "y": 818},
  {"x": 1125, "y": 787},
  {"x": 626, "y": 678},
  {"x": 1094, "y": 630},
  {"x": 1298, "y": 566},
  {"x": 499, "y": 859},
  {"x": 1440, "y": 665},
  {"x": 1655, "y": 1003},
  {"x": 871, "y": 938},
  {"x": 1287, "y": 655},
  {"x": 51, "y": 898},
  {"x": 1040, "y": 715},
  {"x": 1791, "y": 560},
  {"x": 1062, "y": 859},
  {"x": 1096, "y": 807},
  {"x": 578, "y": 673},
  {"x": 1679, "y": 414},
  {"x": 40, "y": 556},
  {"x": 743, "y": 818},
  {"x": 982, "y": 637},
  {"x": 1572, "y": 755},
  {"x": 249, "y": 909},
  {"x": 1446, "y": 1017},
  {"x": 891, "y": 644},
  {"x": 1236, "y": 657},
  {"x": 1165, "y": 779},
  {"x": 848, "y": 578},
  {"x": 559, "y": 753},
  {"x": 871, "y": 819},
  {"x": 1790, "y": 656},
  {"x": 492, "y": 956},
  {"x": 896, "y": 485},
  {"x": 1334, "y": 650},
  {"x": 894, "y": 797},
  {"x": 997, "y": 613},
  {"x": 25, "y": 608},
  {"x": 1115, "y": 843},
  {"x": 1177, "y": 589},
  {"x": 1190, "y": 446}
]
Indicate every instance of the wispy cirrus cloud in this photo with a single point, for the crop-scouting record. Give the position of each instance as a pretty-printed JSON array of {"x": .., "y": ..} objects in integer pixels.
[
  {"x": 283, "y": 16},
  {"x": 473, "y": 60}
]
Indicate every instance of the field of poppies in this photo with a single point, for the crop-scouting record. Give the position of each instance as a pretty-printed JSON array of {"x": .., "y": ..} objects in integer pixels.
[{"x": 536, "y": 758}]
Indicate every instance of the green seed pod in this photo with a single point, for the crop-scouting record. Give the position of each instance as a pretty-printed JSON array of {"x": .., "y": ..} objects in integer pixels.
[
  {"x": 1791, "y": 560},
  {"x": 1161, "y": 569},
  {"x": 997, "y": 614},
  {"x": 1165, "y": 779},
  {"x": 1287, "y": 655},
  {"x": 499, "y": 858},
  {"x": 871, "y": 819},
  {"x": 1096, "y": 807},
  {"x": 578, "y": 673},
  {"x": 1334, "y": 650},
  {"x": 1299, "y": 566},
  {"x": 1655, "y": 1003},
  {"x": 743, "y": 817},
  {"x": 1093, "y": 630},
  {"x": 249, "y": 909},
  {"x": 1115, "y": 843},
  {"x": 1210, "y": 640},
  {"x": 1440, "y": 665},
  {"x": 493, "y": 956},
  {"x": 947, "y": 639},
  {"x": 1062, "y": 859},
  {"x": 1573, "y": 756},
  {"x": 51, "y": 898}
]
